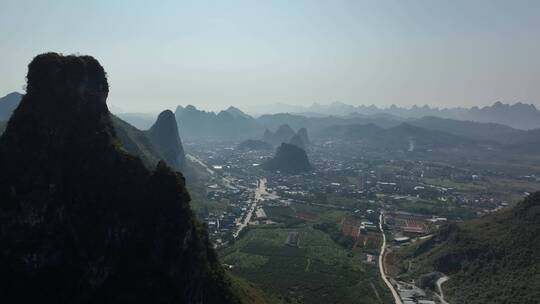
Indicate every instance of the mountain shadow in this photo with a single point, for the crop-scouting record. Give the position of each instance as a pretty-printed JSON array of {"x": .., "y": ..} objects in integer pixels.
[
  {"x": 83, "y": 221},
  {"x": 290, "y": 159}
]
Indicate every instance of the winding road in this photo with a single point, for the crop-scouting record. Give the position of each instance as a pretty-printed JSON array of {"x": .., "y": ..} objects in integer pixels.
[
  {"x": 397, "y": 299},
  {"x": 440, "y": 281}
]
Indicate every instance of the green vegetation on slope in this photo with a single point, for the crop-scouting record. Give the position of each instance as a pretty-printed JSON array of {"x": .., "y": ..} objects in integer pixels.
[
  {"x": 248, "y": 293},
  {"x": 493, "y": 259}
]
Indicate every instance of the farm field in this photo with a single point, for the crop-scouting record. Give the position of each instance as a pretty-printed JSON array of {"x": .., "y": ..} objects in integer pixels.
[{"x": 316, "y": 270}]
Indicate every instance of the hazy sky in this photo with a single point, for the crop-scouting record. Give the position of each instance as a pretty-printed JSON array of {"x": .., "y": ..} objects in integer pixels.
[{"x": 159, "y": 54}]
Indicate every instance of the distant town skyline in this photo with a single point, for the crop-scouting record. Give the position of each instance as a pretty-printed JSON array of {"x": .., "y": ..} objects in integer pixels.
[{"x": 246, "y": 54}]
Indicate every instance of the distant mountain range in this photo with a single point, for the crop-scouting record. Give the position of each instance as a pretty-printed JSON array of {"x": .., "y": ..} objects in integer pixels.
[
  {"x": 233, "y": 124},
  {"x": 402, "y": 137},
  {"x": 499, "y": 123},
  {"x": 525, "y": 141},
  {"x": 227, "y": 124},
  {"x": 518, "y": 115},
  {"x": 313, "y": 124},
  {"x": 473, "y": 130}
]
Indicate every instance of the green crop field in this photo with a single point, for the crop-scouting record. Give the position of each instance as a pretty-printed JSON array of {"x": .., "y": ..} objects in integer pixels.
[
  {"x": 448, "y": 183},
  {"x": 317, "y": 271}
]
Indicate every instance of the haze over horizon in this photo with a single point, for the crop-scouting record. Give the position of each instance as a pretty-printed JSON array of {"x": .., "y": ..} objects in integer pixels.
[
  {"x": 270, "y": 151},
  {"x": 159, "y": 55}
]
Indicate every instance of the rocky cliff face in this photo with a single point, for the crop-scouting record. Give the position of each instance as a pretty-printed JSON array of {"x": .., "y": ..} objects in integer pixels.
[
  {"x": 164, "y": 136},
  {"x": 81, "y": 220}
]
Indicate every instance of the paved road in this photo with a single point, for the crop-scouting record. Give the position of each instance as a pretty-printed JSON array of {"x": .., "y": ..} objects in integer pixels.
[
  {"x": 198, "y": 161},
  {"x": 397, "y": 299},
  {"x": 259, "y": 191},
  {"x": 440, "y": 281},
  {"x": 227, "y": 182}
]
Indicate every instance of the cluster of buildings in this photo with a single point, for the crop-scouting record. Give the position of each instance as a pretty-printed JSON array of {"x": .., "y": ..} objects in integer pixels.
[
  {"x": 357, "y": 227},
  {"x": 358, "y": 178}
]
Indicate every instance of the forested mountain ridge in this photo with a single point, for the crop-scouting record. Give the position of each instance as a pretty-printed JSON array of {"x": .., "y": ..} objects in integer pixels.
[
  {"x": 233, "y": 124},
  {"x": 493, "y": 259}
]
